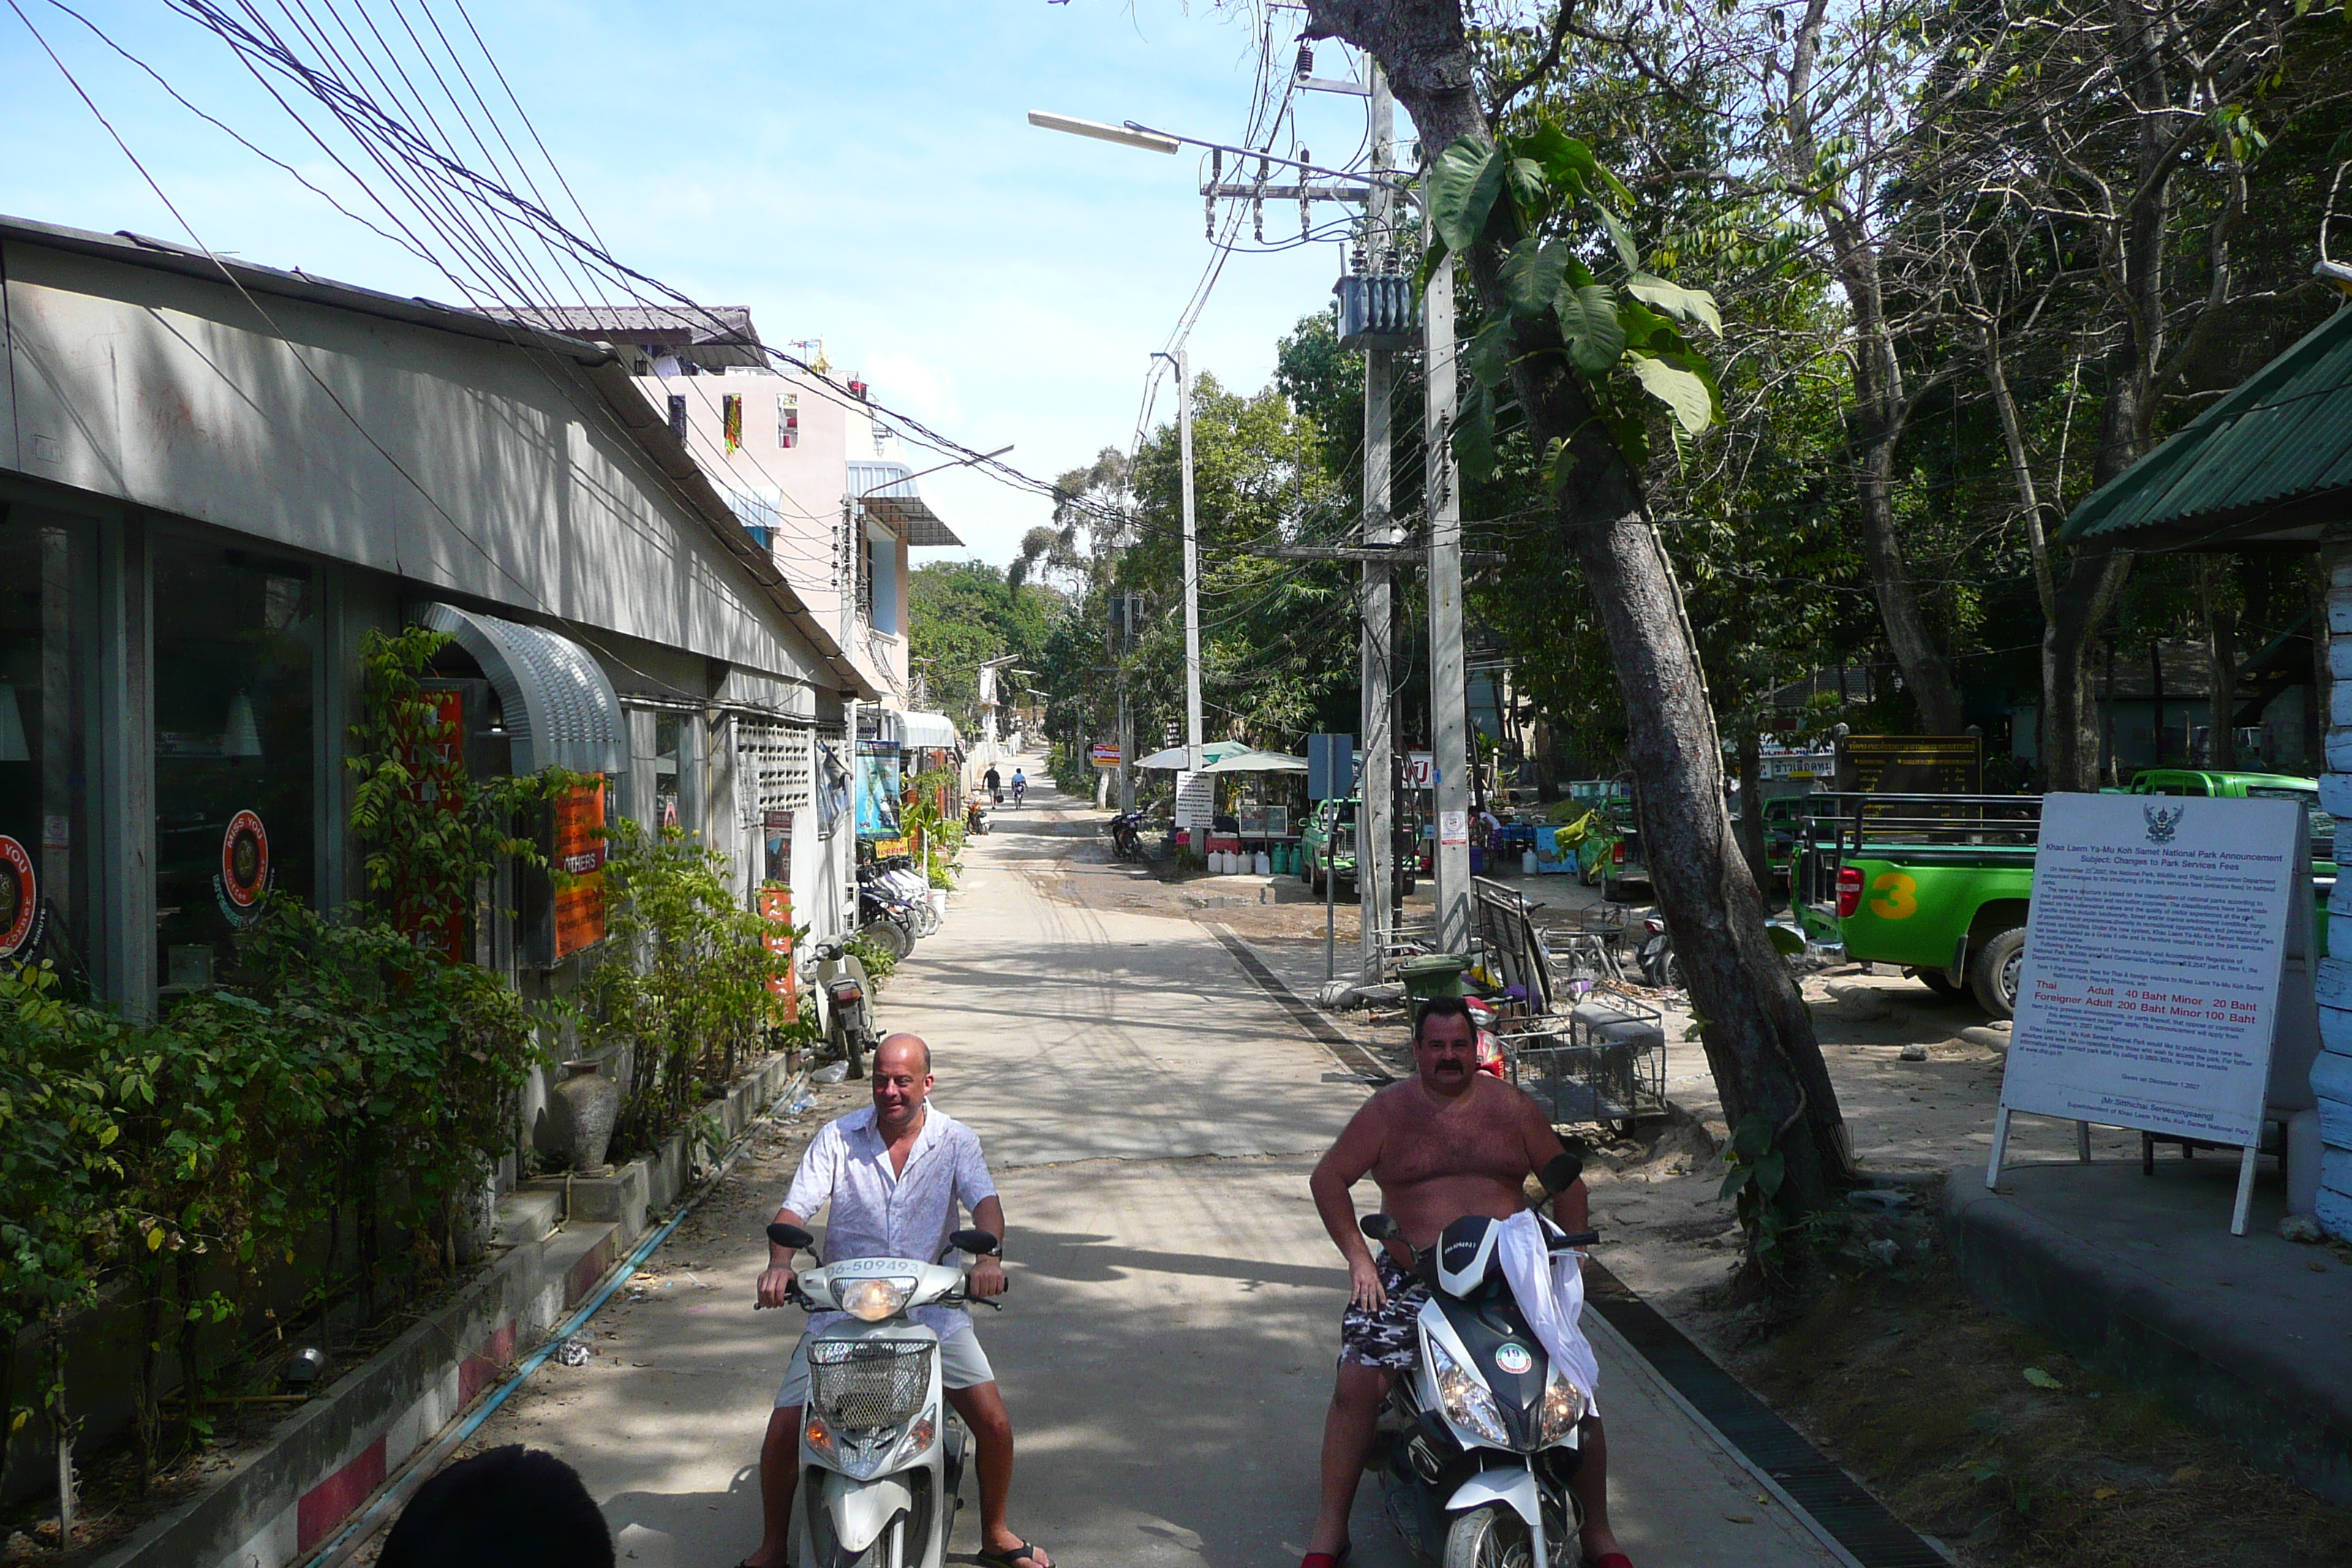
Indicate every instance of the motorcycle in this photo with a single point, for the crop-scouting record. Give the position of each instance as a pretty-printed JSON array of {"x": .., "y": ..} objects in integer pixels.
[
  {"x": 897, "y": 880},
  {"x": 975, "y": 818},
  {"x": 1478, "y": 1442},
  {"x": 1127, "y": 835},
  {"x": 1656, "y": 954},
  {"x": 881, "y": 1453},
  {"x": 887, "y": 920},
  {"x": 845, "y": 1007}
]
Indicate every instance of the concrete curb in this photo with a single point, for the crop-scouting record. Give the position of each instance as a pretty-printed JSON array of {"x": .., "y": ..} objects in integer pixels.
[
  {"x": 2242, "y": 1378},
  {"x": 279, "y": 1503}
]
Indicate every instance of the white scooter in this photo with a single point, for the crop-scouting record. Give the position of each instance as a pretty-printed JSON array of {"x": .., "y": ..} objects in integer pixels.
[
  {"x": 1478, "y": 1442},
  {"x": 881, "y": 1454}
]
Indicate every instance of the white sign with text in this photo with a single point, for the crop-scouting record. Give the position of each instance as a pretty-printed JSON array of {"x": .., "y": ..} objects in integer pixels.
[
  {"x": 1195, "y": 798},
  {"x": 2149, "y": 997}
]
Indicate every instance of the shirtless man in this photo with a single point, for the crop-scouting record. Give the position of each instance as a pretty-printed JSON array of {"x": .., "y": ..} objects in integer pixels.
[{"x": 1448, "y": 1142}]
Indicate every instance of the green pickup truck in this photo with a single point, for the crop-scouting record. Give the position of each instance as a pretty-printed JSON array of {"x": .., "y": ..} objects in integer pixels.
[
  {"x": 1326, "y": 844},
  {"x": 1940, "y": 884}
]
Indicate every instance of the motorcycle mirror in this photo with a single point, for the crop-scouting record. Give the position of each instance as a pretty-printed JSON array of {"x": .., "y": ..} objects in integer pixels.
[
  {"x": 790, "y": 1235},
  {"x": 979, "y": 1243},
  {"x": 1560, "y": 1172},
  {"x": 1377, "y": 1226}
]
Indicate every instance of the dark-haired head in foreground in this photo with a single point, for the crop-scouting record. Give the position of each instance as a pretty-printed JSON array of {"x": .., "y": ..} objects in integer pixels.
[{"x": 511, "y": 1508}]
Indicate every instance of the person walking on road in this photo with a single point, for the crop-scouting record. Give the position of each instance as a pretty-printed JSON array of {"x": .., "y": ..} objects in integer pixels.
[
  {"x": 1448, "y": 1141},
  {"x": 1019, "y": 786},
  {"x": 895, "y": 1177},
  {"x": 995, "y": 783}
]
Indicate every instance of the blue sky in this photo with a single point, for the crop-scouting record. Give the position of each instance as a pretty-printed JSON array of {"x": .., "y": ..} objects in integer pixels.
[{"x": 862, "y": 173}]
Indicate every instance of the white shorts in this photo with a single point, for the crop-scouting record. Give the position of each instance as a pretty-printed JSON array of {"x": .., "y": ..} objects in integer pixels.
[{"x": 962, "y": 1364}]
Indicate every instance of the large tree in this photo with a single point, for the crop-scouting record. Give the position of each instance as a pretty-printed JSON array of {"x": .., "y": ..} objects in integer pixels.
[{"x": 1580, "y": 331}]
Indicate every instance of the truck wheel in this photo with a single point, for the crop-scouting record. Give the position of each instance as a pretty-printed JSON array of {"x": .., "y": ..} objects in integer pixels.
[{"x": 1993, "y": 969}]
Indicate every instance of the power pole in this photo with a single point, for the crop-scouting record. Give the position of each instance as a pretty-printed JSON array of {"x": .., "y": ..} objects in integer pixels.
[
  {"x": 1376, "y": 772},
  {"x": 1449, "y": 690},
  {"x": 1181, "y": 359},
  {"x": 1191, "y": 566}
]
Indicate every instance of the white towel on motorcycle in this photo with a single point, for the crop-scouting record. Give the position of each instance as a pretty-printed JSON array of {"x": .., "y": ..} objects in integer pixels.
[{"x": 1550, "y": 1287}]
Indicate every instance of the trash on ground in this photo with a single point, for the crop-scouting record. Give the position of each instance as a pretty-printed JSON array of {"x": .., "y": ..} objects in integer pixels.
[
  {"x": 574, "y": 1352},
  {"x": 832, "y": 1072}
]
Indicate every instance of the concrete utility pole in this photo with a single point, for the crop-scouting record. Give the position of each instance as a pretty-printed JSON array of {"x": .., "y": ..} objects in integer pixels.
[
  {"x": 1181, "y": 359},
  {"x": 1449, "y": 691},
  {"x": 1376, "y": 774}
]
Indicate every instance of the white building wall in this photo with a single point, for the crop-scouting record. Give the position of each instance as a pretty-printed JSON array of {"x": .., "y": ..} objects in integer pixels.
[{"x": 454, "y": 462}]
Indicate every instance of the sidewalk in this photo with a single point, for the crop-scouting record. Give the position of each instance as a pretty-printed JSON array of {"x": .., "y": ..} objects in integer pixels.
[{"x": 2140, "y": 1277}]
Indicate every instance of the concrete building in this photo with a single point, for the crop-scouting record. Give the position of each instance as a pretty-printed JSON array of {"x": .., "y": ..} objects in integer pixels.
[
  {"x": 812, "y": 472},
  {"x": 216, "y": 478}
]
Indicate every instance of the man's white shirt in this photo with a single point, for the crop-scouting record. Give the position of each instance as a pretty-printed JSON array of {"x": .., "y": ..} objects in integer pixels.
[{"x": 877, "y": 1212}]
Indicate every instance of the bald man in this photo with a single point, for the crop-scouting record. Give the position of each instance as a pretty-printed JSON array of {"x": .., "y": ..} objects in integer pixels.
[{"x": 895, "y": 1177}]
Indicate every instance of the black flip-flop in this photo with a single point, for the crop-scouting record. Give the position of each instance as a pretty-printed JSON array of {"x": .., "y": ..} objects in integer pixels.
[{"x": 1010, "y": 1559}]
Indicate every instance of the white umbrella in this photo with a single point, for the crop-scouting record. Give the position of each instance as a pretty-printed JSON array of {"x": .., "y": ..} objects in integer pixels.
[
  {"x": 1176, "y": 757},
  {"x": 1252, "y": 761}
]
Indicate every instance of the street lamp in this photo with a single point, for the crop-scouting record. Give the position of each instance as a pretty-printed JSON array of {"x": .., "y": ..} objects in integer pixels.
[
  {"x": 1128, "y": 135},
  {"x": 1134, "y": 135}
]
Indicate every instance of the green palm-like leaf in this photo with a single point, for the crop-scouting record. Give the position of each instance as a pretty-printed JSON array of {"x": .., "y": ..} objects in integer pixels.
[
  {"x": 1683, "y": 304},
  {"x": 1589, "y": 321},
  {"x": 1489, "y": 357},
  {"x": 1474, "y": 435},
  {"x": 1463, "y": 185},
  {"x": 1688, "y": 396},
  {"x": 1621, "y": 238},
  {"x": 1532, "y": 274}
]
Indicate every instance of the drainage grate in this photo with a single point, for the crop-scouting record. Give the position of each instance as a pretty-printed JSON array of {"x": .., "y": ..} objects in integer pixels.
[{"x": 1856, "y": 1521}]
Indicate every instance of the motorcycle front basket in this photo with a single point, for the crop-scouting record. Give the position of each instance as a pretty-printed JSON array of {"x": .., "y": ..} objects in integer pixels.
[{"x": 858, "y": 1386}]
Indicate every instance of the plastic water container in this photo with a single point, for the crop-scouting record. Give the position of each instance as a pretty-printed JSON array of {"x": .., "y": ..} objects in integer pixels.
[
  {"x": 1527, "y": 862},
  {"x": 1264, "y": 864}
]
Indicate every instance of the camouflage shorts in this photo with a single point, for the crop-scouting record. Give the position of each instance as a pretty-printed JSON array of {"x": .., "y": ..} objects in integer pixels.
[{"x": 1385, "y": 1339}]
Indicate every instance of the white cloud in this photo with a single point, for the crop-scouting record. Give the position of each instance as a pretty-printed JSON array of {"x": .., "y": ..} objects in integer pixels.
[{"x": 925, "y": 390}]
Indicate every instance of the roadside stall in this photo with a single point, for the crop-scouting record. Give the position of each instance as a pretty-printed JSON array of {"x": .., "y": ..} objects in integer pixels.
[{"x": 1265, "y": 791}]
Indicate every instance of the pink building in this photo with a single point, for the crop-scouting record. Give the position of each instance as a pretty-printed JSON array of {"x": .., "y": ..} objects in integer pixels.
[{"x": 809, "y": 468}]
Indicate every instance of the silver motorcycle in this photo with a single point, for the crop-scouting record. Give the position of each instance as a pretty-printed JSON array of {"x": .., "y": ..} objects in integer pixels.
[{"x": 881, "y": 1452}]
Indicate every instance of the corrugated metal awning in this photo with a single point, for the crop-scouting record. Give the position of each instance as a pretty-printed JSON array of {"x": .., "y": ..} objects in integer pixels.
[
  {"x": 560, "y": 708},
  {"x": 889, "y": 492},
  {"x": 2269, "y": 464}
]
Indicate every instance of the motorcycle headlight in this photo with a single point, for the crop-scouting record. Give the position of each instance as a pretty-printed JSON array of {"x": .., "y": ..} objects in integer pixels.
[
  {"x": 1467, "y": 1402},
  {"x": 1563, "y": 1407},
  {"x": 871, "y": 1301}
]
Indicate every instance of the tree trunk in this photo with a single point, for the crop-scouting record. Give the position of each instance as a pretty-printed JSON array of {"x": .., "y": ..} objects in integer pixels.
[
  {"x": 1751, "y": 807},
  {"x": 2222, "y": 658},
  {"x": 1926, "y": 671},
  {"x": 1758, "y": 1038},
  {"x": 2070, "y": 726},
  {"x": 1881, "y": 408}
]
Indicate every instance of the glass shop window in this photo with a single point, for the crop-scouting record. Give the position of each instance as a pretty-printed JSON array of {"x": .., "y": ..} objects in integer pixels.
[
  {"x": 788, "y": 419},
  {"x": 667, "y": 730},
  {"x": 47, "y": 604},
  {"x": 236, "y": 636}
]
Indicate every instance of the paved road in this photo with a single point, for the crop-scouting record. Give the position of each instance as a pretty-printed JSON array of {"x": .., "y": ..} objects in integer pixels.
[{"x": 1151, "y": 1115}]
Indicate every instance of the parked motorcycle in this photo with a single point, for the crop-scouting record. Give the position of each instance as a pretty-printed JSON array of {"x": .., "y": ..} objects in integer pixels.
[
  {"x": 845, "y": 1003},
  {"x": 1127, "y": 835},
  {"x": 1656, "y": 954},
  {"x": 1478, "y": 1442},
  {"x": 887, "y": 920},
  {"x": 897, "y": 879},
  {"x": 975, "y": 818},
  {"x": 881, "y": 1452}
]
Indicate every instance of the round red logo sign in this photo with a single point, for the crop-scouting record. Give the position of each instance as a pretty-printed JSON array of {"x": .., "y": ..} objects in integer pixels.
[
  {"x": 20, "y": 897},
  {"x": 245, "y": 860}
]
